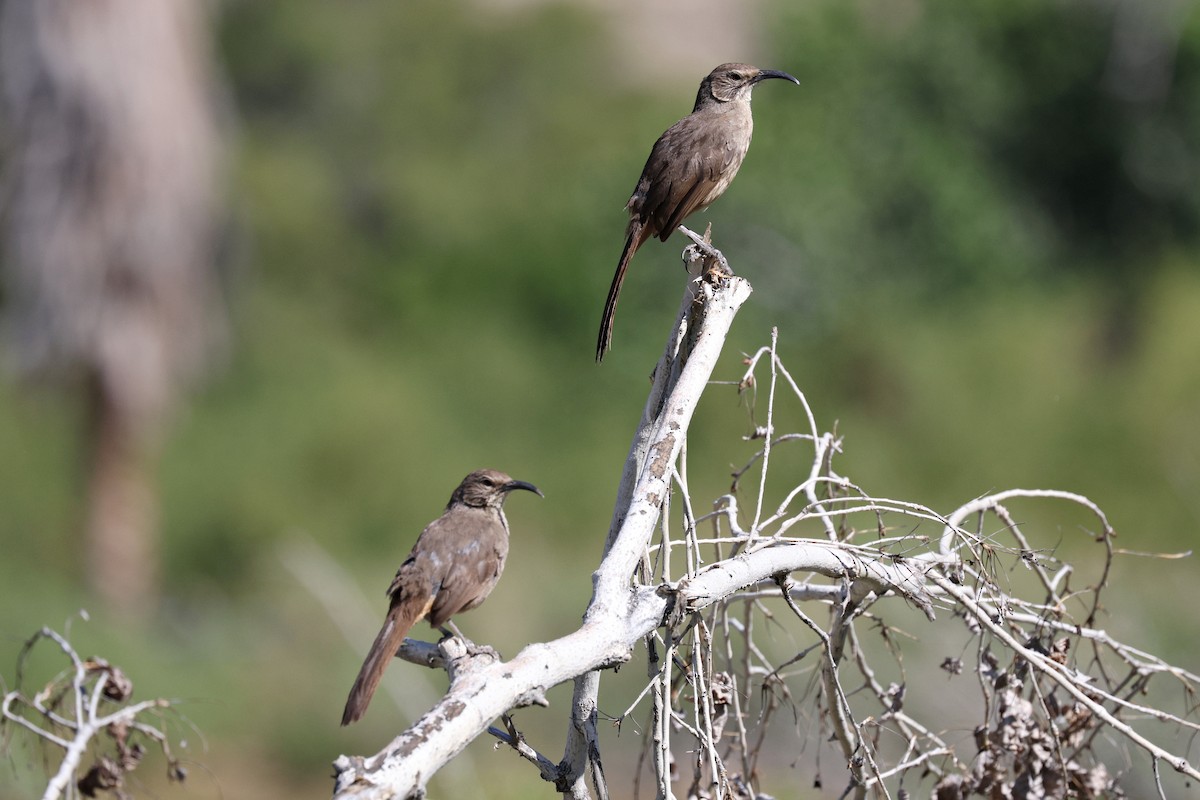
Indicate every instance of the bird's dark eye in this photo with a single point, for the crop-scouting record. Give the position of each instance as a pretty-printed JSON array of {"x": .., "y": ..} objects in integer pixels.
[{"x": 737, "y": 76}]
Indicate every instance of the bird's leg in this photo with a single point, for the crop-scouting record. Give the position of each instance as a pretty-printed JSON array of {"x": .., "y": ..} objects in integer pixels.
[{"x": 704, "y": 244}]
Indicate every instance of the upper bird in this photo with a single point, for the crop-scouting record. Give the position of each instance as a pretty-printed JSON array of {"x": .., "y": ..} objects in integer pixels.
[
  {"x": 453, "y": 567},
  {"x": 691, "y": 165}
]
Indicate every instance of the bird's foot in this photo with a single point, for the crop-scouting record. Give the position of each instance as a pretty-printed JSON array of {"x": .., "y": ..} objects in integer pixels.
[
  {"x": 468, "y": 647},
  {"x": 483, "y": 650},
  {"x": 702, "y": 247}
]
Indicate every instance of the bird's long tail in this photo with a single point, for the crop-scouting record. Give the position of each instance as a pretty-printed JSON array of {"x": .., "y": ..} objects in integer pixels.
[
  {"x": 633, "y": 240},
  {"x": 403, "y": 614}
]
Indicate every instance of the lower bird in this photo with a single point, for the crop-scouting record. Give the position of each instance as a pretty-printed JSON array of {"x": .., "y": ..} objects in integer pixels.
[
  {"x": 690, "y": 166},
  {"x": 453, "y": 567}
]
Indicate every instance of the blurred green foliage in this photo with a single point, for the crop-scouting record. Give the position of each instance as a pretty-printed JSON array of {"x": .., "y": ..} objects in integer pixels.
[
  {"x": 974, "y": 224},
  {"x": 979, "y": 142}
]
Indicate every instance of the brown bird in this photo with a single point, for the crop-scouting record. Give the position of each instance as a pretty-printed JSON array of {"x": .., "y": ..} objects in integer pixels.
[
  {"x": 691, "y": 165},
  {"x": 453, "y": 567}
]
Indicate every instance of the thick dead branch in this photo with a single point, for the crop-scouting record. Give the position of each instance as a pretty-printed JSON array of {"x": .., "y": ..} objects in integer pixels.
[
  {"x": 758, "y": 607},
  {"x": 615, "y": 620}
]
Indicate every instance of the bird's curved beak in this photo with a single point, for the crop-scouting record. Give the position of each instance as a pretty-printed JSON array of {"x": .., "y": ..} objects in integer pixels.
[
  {"x": 774, "y": 73},
  {"x": 529, "y": 487}
]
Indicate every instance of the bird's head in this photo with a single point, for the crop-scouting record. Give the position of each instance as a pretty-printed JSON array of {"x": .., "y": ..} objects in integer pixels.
[
  {"x": 488, "y": 488},
  {"x": 730, "y": 82}
]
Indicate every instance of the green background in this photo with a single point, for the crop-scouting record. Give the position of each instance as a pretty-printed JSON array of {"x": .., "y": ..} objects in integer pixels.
[{"x": 974, "y": 224}]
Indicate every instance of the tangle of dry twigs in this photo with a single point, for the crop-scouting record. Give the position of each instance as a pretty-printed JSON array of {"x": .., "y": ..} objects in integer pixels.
[
  {"x": 1056, "y": 701},
  {"x": 70, "y": 711}
]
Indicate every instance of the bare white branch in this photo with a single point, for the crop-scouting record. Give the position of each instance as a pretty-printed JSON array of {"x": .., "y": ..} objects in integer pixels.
[
  {"x": 84, "y": 688},
  {"x": 698, "y": 591}
]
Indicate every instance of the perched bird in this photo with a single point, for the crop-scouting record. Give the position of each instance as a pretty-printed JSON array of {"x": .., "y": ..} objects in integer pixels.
[
  {"x": 453, "y": 567},
  {"x": 691, "y": 165}
]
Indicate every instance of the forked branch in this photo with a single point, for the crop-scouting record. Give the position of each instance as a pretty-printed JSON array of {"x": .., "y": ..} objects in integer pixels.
[{"x": 759, "y": 606}]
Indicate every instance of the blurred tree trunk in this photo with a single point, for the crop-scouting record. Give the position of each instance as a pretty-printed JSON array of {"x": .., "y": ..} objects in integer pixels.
[{"x": 110, "y": 281}]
